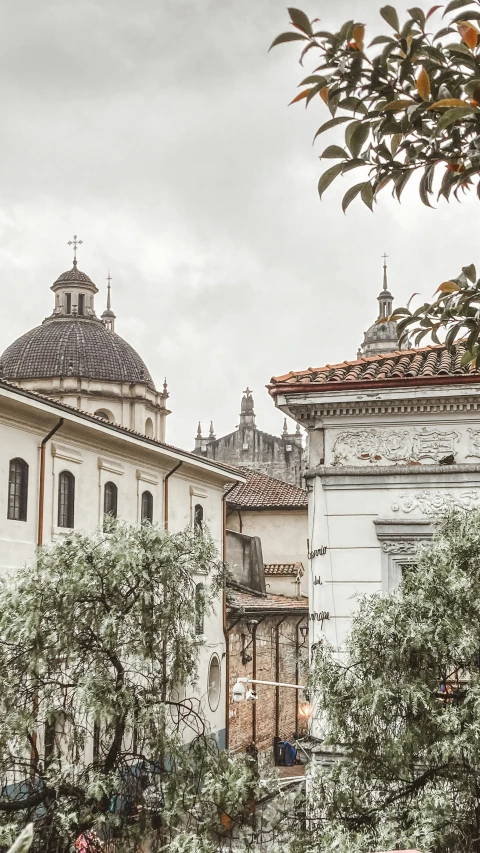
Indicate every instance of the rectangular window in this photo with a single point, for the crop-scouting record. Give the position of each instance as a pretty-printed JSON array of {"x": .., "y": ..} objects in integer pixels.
[
  {"x": 81, "y": 304},
  {"x": 68, "y": 303}
]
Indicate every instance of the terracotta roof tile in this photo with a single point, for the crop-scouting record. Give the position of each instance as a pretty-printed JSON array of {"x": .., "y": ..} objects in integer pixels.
[
  {"x": 402, "y": 368},
  {"x": 283, "y": 568},
  {"x": 243, "y": 600},
  {"x": 262, "y": 492}
]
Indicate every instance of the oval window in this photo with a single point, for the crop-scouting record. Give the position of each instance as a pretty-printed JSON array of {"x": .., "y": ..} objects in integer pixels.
[{"x": 214, "y": 685}]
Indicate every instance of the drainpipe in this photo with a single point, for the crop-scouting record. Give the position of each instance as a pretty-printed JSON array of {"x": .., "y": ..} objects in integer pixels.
[
  {"x": 165, "y": 524},
  {"x": 226, "y": 632},
  {"x": 297, "y": 648},
  {"x": 165, "y": 493},
  {"x": 277, "y": 676},
  {"x": 254, "y": 675},
  {"x": 41, "y": 491}
]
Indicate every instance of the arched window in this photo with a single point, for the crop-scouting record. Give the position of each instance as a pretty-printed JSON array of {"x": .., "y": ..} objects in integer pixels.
[
  {"x": 198, "y": 517},
  {"x": 147, "y": 506},
  {"x": 110, "y": 496},
  {"x": 149, "y": 428},
  {"x": 17, "y": 490},
  {"x": 199, "y": 608},
  {"x": 105, "y": 415},
  {"x": 66, "y": 499},
  {"x": 214, "y": 683}
]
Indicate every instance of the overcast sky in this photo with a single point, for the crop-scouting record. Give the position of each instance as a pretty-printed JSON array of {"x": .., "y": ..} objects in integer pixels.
[{"x": 159, "y": 132}]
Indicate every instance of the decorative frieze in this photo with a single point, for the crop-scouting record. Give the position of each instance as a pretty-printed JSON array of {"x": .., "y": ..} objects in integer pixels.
[
  {"x": 435, "y": 502},
  {"x": 402, "y": 547},
  {"x": 383, "y": 446}
]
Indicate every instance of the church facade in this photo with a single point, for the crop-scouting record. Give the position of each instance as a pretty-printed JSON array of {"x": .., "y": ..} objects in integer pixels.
[{"x": 281, "y": 457}]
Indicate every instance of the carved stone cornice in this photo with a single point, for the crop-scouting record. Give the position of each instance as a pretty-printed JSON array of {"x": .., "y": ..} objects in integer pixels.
[{"x": 308, "y": 412}]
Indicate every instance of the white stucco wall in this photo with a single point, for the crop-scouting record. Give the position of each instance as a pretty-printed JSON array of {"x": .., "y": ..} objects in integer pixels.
[
  {"x": 95, "y": 456},
  {"x": 283, "y": 534}
]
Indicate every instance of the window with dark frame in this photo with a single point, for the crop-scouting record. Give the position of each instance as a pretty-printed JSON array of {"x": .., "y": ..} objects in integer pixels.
[
  {"x": 81, "y": 304},
  {"x": 199, "y": 611},
  {"x": 147, "y": 506},
  {"x": 66, "y": 499},
  {"x": 68, "y": 307},
  {"x": 110, "y": 500},
  {"x": 198, "y": 517},
  {"x": 17, "y": 490}
]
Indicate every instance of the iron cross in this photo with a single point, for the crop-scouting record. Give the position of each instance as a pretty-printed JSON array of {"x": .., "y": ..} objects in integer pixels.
[{"x": 75, "y": 243}]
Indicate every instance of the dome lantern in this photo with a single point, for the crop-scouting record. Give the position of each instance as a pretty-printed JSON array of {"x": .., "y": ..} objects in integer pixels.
[{"x": 381, "y": 337}]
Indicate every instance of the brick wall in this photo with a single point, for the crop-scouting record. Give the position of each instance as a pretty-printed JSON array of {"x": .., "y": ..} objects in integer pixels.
[{"x": 241, "y": 716}]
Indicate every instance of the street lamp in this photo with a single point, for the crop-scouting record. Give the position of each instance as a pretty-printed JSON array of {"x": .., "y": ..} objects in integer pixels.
[{"x": 238, "y": 690}]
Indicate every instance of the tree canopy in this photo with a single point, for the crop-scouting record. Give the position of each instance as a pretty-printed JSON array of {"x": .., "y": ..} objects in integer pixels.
[
  {"x": 409, "y": 100},
  {"x": 94, "y": 641},
  {"x": 401, "y": 708}
]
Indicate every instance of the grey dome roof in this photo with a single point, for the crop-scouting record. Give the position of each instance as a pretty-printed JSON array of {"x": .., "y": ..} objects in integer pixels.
[
  {"x": 73, "y": 347},
  {"x": 74, "y": 275},
  {"x": 382, "y": 332}
]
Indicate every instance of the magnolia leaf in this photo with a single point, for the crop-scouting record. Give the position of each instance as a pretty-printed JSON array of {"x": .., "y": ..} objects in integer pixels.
[
  {"x": 382, "y": 40},
  {"x": 328, "y": 176},
  {"x": 462, "y": 49},
  {"x": 467, "y": 358},
  {"x": 389, "y": 14},
  {"x": 324, "y": 94},
  {"x": 455, "y": 4},
  {"x": 451, "y": 335},
  {"x": 356, "y": 136},
  {"x": 469, "y": 34},
  {"x": 395, "y": 142},
  {"x": 351, "y": 194},
  {"x": 284, "y": 37},
  {"x": 447, "y": 287},
  {"x": 334, "y": 151},
  {"x": 358, "y": 35},
  {"x": 301, "y": 20},
  {"x": 447, "y": 102},
  {"x": 300, "y": 96},
  {"x": 471, "y": 15},
  {"x": 470, "y": 273},
  {"x": 423, "y": 84},
  {"x": 367, "y": 195},
  {"x": 425, "y": 188},
  {"x": 432, "y": 10},
  {"x": 418, "y": 15},
  {"x": 452, "y": 116},
  {"x": 396, "y": 106},
  {"x": 332, "y": 122},
  {"x": 316, "y": 79},
  {"x": 401, "y": 183}
]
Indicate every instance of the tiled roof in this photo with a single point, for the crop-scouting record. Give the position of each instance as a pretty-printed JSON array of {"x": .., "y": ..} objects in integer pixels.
[
  {"x": 246, "y": 601},
  {"x": 283, "y": 568},
  {"x": 88, "y": 416},
  {"x": 426, "y": 366},
  {"x": 264, "y": 492},
  {"x": 73, "y": 347},
  {"x": 74, "y": 275}
]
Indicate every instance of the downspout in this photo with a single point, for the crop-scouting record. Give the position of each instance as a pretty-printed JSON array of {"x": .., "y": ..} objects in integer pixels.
[
  {"x": 277, "y": 676},
  {"x": 41, "y": 490},
  {"x": 165, "y": 494},
  {"x": 297, "y": 648},
  {"x": 254, "y": 675},
  {"x": 41, "y": 502},
  {"x": 165, "y": 524},
  {"x": 226, "y": 632}
]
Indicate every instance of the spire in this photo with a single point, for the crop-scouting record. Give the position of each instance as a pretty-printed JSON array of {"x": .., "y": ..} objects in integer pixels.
[
  {"x": 165, "y": 389},
  {"x": 285, "y": 428},
  {"x": 384, "y": 256},
  {"x": 211, "y": 432},
  {"x": 199, "y": 430},
  {"x": 108, "y": 316},
  {"x": 247, "y": 413}
]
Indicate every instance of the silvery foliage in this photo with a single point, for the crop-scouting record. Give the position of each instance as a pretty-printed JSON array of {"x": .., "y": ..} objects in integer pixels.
[
  {"x": 401, "y": 710},
  {"x": 94, "y": 640}
]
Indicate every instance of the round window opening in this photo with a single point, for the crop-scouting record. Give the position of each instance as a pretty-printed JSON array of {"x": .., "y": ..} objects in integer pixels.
[{"x": 214, "y": 683}]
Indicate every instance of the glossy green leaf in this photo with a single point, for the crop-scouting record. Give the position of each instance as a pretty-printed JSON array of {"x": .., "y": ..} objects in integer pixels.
[
  {"x": 301, "y": 20},
  {"x": 357, "y": 138},
  {"x": 455, "y": 4},
  {"x": 284, "y": 37},
  {"x": 332, "y": 122},
  {"x": 453, "y": 115},
  {"x": 367, "y": 195},
  {"x": 418, "y": 15},
  {"x": 328, "y": 177},
  {"x": 334, "y": 151},
  {"x": 351, "y": 194},
  {"x": 389, "y": 14},
  {"x": 470, "y": 273}
]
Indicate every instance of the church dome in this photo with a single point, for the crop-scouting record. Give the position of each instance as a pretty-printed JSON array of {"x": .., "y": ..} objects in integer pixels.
[
  {"x": 74, "y": 275},
  {"x": 77, "y": 347}
]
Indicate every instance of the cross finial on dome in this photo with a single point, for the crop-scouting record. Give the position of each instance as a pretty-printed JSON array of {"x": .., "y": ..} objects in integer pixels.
[
  {"x": 75, "y": 243},
  {"x": 109, "y": 278}
]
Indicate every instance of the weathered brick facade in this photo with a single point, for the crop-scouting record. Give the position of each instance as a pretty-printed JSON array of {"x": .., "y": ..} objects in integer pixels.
[{"x": 272, "y": 714}]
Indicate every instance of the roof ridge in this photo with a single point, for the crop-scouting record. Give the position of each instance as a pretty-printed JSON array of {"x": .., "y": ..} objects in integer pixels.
[{"x": 257, "y": 473}]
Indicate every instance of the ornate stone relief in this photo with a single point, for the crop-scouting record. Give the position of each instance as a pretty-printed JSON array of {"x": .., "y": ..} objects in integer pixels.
[
  {"x": 473, "y": 442},
  {"x": 405, "y": 547},
  {"x": 394, "y": 445},
  {"x": 434, "y": 502}
]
